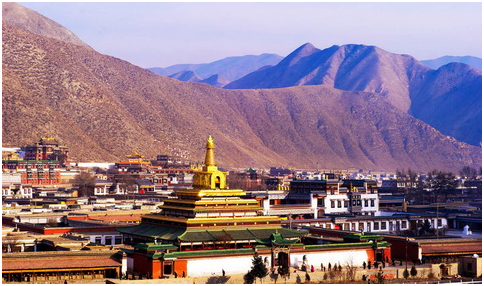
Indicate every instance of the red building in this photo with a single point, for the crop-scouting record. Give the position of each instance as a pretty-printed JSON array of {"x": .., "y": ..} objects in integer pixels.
[
  {"x": 34, "y": 172},
  {"x": 47, "y": 149}
]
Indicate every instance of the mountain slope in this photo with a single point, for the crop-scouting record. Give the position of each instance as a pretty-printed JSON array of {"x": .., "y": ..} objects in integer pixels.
[
  {"x": 398, "y": 78},
  {"x": 474, "y": 62},
  {"x": 349, "y": 67},
  {"x": 31, "y": 21},
  {"x": 450, "y": 99},
  {"x": 215, "y": 80},
  {"x": 231, "y": 68},
  {"x": 186, "y": 76},
  {"x": 103, "y": 108}
]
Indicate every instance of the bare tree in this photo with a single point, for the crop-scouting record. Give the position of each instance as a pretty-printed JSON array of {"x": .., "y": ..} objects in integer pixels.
[
  {"x": 85, "y": 182},
  {"x": 9, "y": 243},
  {"x": 468, "y": 172},
  {"x": 128, "y": 183},
  {"x": 440, "y": 183},
  {"x": 350, "y": 270}
]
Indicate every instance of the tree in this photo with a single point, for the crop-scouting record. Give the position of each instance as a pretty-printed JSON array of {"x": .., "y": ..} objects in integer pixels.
[
  {"x": 413, "y": 271},
  {"x": 85, "y": 182},
  {"x": 128, "y": 184},
  {"x": 426, "y": 228},
  {"x": 351, "y": 270},
  {"x": 412, "y": 184},
  {"x": 9, "y": 243},
  {"x": 440, "y": 183},
  {"x": 405, "y": 273},
  {"x": 380, "y": 277},
  {"x": 51, "y": 222},
  {"x": 259, "y": 269},
  {"x": 284, "y": 272},
  {"x": 468, "y": 172},
  {"x": 249, "y": 278},
  {"x": 308, "y": 278}
]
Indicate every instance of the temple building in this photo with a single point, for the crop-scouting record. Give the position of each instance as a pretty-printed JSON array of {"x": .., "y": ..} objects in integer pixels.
[
  {"x": 47, "y": 149},
  {"x": 211, "y": 228},
  {"x": 209, "y": 219},
  {"x": 134, "y": 163}
]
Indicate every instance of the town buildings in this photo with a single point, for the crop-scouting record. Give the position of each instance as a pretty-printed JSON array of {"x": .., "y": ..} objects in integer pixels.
[{"x": 188, "y": 222}]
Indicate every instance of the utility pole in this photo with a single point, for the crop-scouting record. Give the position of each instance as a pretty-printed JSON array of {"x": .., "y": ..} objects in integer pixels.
[{"x": 406, "y": 255}]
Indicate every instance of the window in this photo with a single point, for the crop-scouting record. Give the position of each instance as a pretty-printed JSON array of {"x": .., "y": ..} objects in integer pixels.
[
  {"x": 439, "y": 222},
  {"x": 339, "y": 204},
  {"x": 332, "y": 203},
  {"x": 404, "y": 224},
  {"x": 320, "y": 202},
  {"x": 372, "y": 203},
  {"x": 366, "y": 203},
  {"x": 361, "y": 226},
  {"x": 383, "y": 225},
  {"x": 376, "y": 225},
  {"x": 346, "y": 204}
]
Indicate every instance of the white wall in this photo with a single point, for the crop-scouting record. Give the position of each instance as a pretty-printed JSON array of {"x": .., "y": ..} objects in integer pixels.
[
  {"x": 214, "y": 266},
  {"x": 357, "y": 257},
  {"x": 242, "y": 264}
]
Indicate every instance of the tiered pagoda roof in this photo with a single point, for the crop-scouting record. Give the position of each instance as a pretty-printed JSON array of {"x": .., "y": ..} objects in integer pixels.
[{"x": 209, "y": 212}]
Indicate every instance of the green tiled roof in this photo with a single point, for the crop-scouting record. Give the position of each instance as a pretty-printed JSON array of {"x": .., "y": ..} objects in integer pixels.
[
  {"x": 208, "y": 252},
  {"x": 238, "y": 234},
  {"x": 277, "y": 239},
  {"x": 155, "y": 231},
  {"x": 383, "y": 244},
  {"x": 152, "y": 246},
  {"x": 339, "y": 245},
  {"x": 363, "y": 237},
  {"x": 172, "y": 233}
]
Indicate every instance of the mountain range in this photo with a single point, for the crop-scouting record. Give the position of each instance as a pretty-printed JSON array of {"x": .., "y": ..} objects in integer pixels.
[
  {"x": 103, "y": 108},
  {"x": 448, "y": 99},
  {"x": 227, "y": 69},
  {"x": 474, "y": 62}
]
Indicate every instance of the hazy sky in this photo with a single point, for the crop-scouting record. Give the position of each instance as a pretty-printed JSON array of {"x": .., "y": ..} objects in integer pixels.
[{"x": 159, "y": 34}]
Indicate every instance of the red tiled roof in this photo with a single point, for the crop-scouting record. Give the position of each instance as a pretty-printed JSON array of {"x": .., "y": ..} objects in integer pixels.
[
  {"x": 134, "y": 217},
  {"x": 60, "y": 263},
  {"x": 452, "y": 248}
]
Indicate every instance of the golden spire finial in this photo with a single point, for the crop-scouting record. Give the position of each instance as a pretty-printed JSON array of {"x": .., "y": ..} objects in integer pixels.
[
  {"x": 210, "y": 142},
  {"x": 210, "y": 156}
]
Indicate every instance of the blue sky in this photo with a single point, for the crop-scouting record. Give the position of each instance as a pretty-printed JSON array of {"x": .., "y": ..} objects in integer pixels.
[{"x": 159, "y": 34}]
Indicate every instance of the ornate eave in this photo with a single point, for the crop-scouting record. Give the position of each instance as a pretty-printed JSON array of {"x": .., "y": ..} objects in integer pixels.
[
  {"x": 213, "y": 220},
  {"x": 211, "y": 193}
]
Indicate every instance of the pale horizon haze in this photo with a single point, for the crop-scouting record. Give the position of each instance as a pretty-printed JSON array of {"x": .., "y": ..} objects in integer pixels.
[{"x": 160, "y": 34}]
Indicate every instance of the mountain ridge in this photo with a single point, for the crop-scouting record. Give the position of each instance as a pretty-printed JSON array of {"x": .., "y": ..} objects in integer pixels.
[
  {"x": 230, "y": 68},
  {"x": 474, "y": 62},
  {"x": 369, "y": 68},
  {"x": 29, "y": 20}
]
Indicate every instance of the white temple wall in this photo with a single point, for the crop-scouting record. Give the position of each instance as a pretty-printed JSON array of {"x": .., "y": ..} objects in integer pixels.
[
  {"x": 344, "y": 257},
  {"x": 214, "y": 266},
  {"x": 242, "y": 264}
]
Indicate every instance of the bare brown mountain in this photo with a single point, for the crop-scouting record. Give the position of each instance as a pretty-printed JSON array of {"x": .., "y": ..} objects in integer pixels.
[
  {"x": 103, "y": 108},
  {"x": 31, "y": 21},
  {"x": 403, "y": 80}
]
